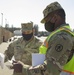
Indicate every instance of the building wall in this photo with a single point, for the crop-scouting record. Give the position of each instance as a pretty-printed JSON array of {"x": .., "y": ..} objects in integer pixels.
[
  {"x": 5, "y": 35},
  {"x": 0, "y": 35}
]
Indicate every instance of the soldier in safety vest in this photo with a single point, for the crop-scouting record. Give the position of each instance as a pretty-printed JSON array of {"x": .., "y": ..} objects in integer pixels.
[
  {"x": 59, "y": 45},
  {"x": 22, "y": 48}
]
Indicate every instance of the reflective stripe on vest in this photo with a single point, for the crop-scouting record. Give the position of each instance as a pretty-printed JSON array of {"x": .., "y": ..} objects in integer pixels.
[{"x": 43, "y": 48}]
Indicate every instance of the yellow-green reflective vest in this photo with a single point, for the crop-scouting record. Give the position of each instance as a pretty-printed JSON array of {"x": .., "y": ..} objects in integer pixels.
[
  {"x": 69, "y": 67},
  {"x": 43, "y": 48}
]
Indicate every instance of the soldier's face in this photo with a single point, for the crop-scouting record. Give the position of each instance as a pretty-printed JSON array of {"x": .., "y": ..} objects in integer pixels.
[
  {"x": 49, "y": 26},
  {"x": 50, "y": 22},
  {"x": 27, "y": 35}
]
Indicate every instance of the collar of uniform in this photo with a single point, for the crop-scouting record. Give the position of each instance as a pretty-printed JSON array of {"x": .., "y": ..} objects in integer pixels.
[
  {"x": 28, "y": 40},
  {"x": 62, "y": 26}
]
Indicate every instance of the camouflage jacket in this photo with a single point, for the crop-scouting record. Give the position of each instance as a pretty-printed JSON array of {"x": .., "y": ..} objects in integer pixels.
[{"x": 22, "y": 50}]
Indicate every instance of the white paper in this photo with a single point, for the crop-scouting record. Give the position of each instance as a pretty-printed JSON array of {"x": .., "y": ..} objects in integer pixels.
[
  {"x": 37, "y": 59},
  {"x": 2, "y": 60},
  {"x": 13, "y": 59}
]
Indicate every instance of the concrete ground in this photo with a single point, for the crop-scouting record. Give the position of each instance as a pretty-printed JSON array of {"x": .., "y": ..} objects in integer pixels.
[{"x": 5, "y": 70}]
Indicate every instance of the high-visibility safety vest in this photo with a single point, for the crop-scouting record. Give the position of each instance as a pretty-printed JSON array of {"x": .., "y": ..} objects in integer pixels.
[
  {"x": 43, "y": 48},
  {"x": 69, "y": 67}
]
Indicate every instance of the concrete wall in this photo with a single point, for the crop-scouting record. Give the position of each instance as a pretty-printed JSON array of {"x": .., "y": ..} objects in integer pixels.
[{"x": 5, "y": 35}]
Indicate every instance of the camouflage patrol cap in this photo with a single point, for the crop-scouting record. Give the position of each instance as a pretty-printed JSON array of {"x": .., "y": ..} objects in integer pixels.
[
  {"x": 27, "y": 26},
  {"x": 50, "y": 8}
]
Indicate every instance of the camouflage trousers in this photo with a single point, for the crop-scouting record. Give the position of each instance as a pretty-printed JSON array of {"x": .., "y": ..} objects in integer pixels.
[
  {"x": 32, "y": 73},
  {"x": 36, "y": 71},
  {"x": 17, "y": 74}
]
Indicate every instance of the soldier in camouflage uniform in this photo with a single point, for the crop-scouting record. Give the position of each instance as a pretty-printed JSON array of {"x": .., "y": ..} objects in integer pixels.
[
  {"x": 22, "y": 49},
  {"x": 59, "y": 45}
]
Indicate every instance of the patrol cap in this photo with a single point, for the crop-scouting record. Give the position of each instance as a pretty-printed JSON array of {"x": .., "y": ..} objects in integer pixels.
[
  {"x": 50, "y": 8},
  {"x": 27, "y": 26}
]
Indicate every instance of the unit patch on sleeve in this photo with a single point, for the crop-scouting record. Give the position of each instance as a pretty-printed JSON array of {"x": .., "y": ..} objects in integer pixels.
[{"x": 58, "y": 47}]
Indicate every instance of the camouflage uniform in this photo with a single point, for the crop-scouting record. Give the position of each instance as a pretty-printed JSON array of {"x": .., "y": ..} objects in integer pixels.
[
  {"x": 22, "y": 49},
  {"x": 60, "y": 46}
]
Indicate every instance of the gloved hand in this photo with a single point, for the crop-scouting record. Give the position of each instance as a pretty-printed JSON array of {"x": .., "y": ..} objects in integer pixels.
[{"x": 17, "y": 67}]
